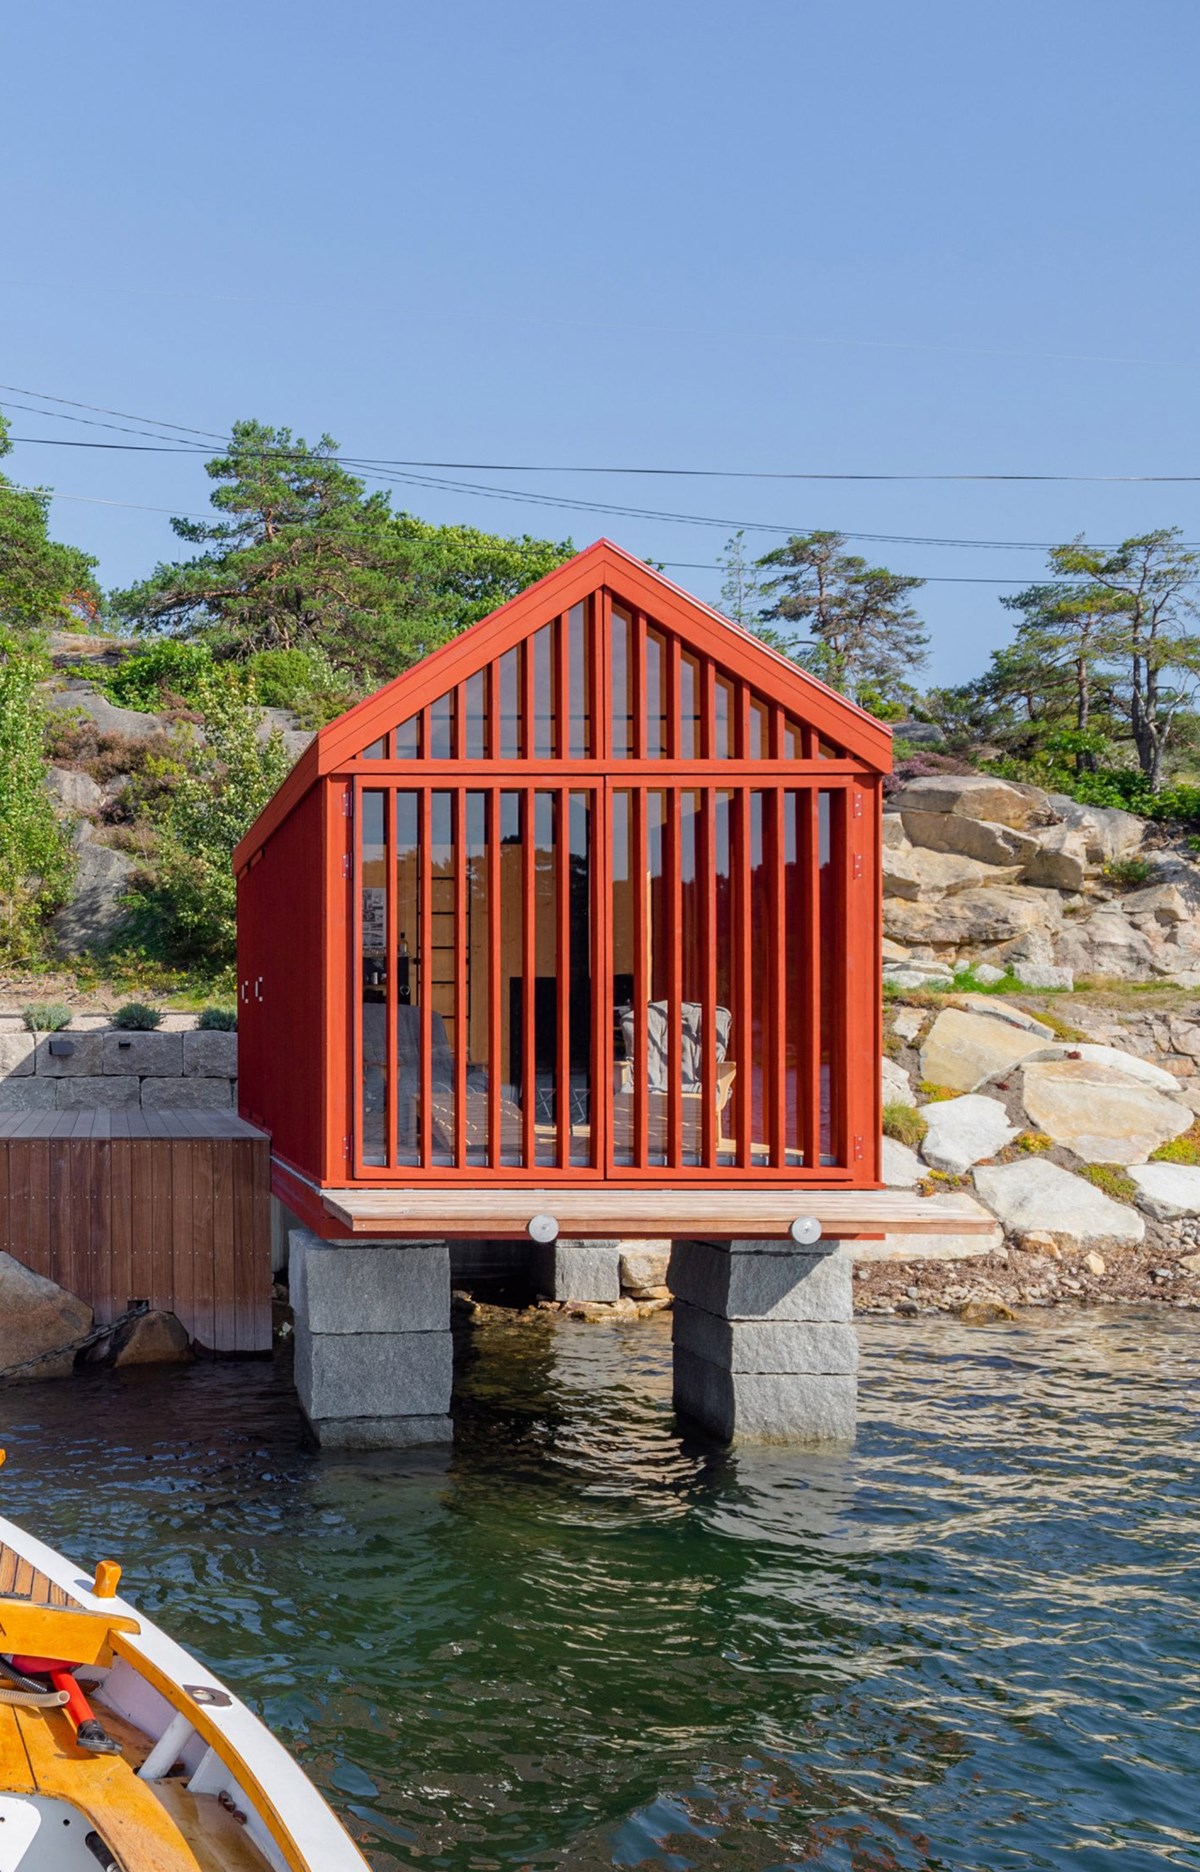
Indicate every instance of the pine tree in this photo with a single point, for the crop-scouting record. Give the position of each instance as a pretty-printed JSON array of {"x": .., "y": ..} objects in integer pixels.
[{"x": 869, "y": 641}]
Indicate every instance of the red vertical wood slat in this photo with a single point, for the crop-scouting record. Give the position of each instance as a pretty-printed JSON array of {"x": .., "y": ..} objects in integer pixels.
[
  {"x": 809, "y": 1062},
  {"x": 526, "y": 690},
  {"x": 808, "y": 741},
  {"x": 528, "y": 975},
  {"x": 776, "y": 720},
  {"x": 459, "y": 717},
  {"x": 776, "y": 851},
  {"x": 562, "y": 860},
  {"x": 425, "y": 872},
  {"x": 638, "y": 648},
  {"x": 492, "y": 698},
  {"x": 708, "y": 872},
  {"x": 603, "y": 1064},
  {"x": 391, "y": 1111},
  {"x": 355, "y": 1063},
  {"x": 674, "y": 657},
  {"x": 601, "y": 699},
  {"x": 742, "y": 954},
  {"x": 740, "y": 728},
  {"x": 672, "y": 863},
  {"x": 460, "y": 974},
  {"x": 494, "y": 1027},
  {"x": 708, "y": 709},
  {"x": 641, "y": 985},
  {"x": 562, "y": 689}
]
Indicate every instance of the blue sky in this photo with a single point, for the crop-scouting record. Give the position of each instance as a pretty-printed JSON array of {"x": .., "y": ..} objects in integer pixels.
[{"x": 834, "y": 237}]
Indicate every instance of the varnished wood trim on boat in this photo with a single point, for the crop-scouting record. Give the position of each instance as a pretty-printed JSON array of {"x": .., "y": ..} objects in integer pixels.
[{"x": 20, "y": 1580}]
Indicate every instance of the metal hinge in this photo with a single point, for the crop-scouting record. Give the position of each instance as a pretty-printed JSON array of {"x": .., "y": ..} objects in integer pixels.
[
  {"x": 348, "y": 803},
  {"x": 856, "y": 865},
  {"x": 858, "y": 1149},
  {"x": 856, "y": 810},
  {"x": 348, "y": 1146},
  {"x": 347, "y": 867}
]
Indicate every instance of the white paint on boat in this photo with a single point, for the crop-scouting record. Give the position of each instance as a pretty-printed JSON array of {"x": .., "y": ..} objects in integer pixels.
[{"x": 229, "y": 1751}]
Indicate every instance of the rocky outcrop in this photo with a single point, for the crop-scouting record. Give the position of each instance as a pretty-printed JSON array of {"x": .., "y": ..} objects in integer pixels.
[
  {"x": 40, "y": 1325},
  {"x": 1040, "y": 1196},
  {"x": 980, "y": 870},
  {"x": 1101, "y": 1112},
  {"x": 964, "y": 1047}
]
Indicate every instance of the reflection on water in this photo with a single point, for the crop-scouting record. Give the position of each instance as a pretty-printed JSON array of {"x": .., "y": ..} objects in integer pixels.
[{"x": 584, "y": 1641}]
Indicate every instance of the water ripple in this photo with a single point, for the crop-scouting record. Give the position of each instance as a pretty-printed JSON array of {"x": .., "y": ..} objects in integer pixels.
[{"x": 583, "y": 1641}]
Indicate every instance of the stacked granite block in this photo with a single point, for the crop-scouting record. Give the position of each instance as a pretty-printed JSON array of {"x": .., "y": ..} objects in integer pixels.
[{"x": 764, "y": 1341}]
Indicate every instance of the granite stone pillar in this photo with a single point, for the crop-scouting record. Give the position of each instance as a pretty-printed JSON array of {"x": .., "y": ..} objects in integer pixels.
[
  {"x": 578, "y": 1269},
  {"x": 374, "y": 1361},
  {"x": 764, "y": 1341}
]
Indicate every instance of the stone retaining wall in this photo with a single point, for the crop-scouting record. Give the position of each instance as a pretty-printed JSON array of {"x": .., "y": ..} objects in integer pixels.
[{"x": 95, "y": 1065}]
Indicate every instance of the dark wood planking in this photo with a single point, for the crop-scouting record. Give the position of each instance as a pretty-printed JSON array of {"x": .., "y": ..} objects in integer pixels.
[{"x": 168, "y": 1207}]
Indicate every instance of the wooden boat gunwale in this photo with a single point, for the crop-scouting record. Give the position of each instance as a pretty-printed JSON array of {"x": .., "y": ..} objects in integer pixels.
[{"x": 261, "y": 1776}]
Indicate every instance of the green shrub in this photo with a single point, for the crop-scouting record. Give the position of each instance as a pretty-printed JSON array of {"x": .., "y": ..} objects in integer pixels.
[
  {"x": 1107, "y": 786},
  {"x": 45, "y": 1016},
  {"x": 165, "y": 666},
  {"x": 934, "y": 1094},
  {"x": 1033, "y": 1142},
  {"x": 186, "y": 910},
  {"x": 905, "y": 1124},
  {"x": 136, "y": 1017},
  {"x": 218, "y": 1020},
  {"x": 1127, "y": 873}
]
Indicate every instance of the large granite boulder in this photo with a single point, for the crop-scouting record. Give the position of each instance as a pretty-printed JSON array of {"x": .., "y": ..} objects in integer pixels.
[
  {"x": 972, "y": 796},
  {"x": 964, "y": 1131},
  {"x": 38, "y": 1320},
  {"x": 901, "y": 1167},
  {"x": 75, "y": 791},
  {"x": 1168, "y": 1191},
  {"x": 924, "y": 876},
  {"x": 963, "y": 1048},
  {"x": 94, "y": 914},
  {"x": 1108, "y": 832},
  {"x": 1038, "y": 1196},
  {"x": 1101, "y": 1112},
  {"x": 988, "y": 843},
  {"x": 973, "y": 917},
  {"x": 896, "y": 1085},
  {"x": 1061, "y": 860},
  {"x": 109, "y": 719},
  {"x": 1106, "y": 946}
]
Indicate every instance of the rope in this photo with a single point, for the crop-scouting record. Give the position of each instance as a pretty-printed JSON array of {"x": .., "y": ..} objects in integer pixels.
[{"x": 78, "y": 1345}]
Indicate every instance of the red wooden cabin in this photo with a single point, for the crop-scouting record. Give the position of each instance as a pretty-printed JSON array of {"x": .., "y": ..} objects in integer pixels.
[{"x": 589, "y": 896}]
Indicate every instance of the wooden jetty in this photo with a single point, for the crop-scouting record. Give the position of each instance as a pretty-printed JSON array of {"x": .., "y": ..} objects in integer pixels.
[{"x": 170, "y": 1207}]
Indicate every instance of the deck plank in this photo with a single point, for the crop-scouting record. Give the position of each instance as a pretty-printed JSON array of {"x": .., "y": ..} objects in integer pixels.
[{"x": 684, "y": 1212}]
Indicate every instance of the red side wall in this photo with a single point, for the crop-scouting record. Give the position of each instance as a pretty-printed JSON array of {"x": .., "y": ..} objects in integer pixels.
[{"x": 281, "y": 964}]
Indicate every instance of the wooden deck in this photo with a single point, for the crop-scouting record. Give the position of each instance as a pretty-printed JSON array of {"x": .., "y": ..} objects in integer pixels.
[
  {"x": 171, "y": 1207},
  {"x": 20, "y": 1579},
  {"x": 613, "y": 1210}
]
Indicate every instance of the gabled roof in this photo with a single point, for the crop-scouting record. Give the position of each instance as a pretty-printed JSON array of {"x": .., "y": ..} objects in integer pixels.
[{"x": 630, "y": 579}]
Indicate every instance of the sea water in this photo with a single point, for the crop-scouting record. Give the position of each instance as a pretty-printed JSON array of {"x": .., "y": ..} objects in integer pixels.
[{"x": 586, "y": 1639}]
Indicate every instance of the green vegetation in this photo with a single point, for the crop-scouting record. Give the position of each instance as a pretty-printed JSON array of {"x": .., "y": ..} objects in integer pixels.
[
  {"x": 1181, "y": 1150},
  {"x": 934, "y": 1094},
  {"x": 186, "y": 908},
  {"x": 137, "y": 1017},
  {"x": 303, "y": 558},
  {"x": 905, "y": 1124},
  {"x": 1114, "y": 1181},
  {"x": 1127, "y": 874},
  {"x": 218, "y": 1020},
  {"x": 868, "y": 639},
  {"x": 1033, "y": 1143},
  {"x": 45, "y": 1016},
  {"x": 42, "y": 583},
  {"x": 35, "y": 856}
]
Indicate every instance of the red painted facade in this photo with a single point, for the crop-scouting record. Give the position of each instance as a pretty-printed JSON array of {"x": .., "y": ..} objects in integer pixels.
[{"x": 591, "y": 894}]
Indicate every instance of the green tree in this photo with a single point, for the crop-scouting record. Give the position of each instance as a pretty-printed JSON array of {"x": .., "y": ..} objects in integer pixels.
[
  {"x": 42, "y": 582},
  {"x": 187, "y": 910},
  {"x": 304, "y": 558},
  {"x": 868, "y": 639},
  {"x": 742, "y": 589},
  {"x": 35, "y": 858},
  {"x": 1059, "y": 663},
  {"x": 1144, "y": 594}
]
